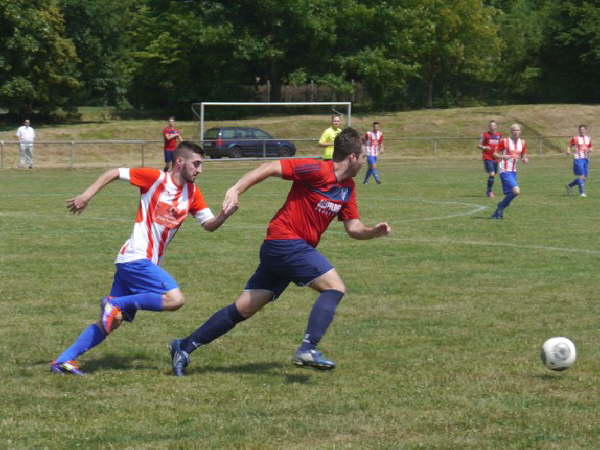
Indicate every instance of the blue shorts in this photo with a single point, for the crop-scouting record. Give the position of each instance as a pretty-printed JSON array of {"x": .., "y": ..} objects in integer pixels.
[
  {"x": 509, "y": 181},
  {"x": 284, "y": 261},
  {"x": 371, "y": 160},
  {"x": 169, "y": 155},
  {"x": 580, "y": 167},
  {"x": 138, "y": 277},
  {"x": 490, "y": 166}
]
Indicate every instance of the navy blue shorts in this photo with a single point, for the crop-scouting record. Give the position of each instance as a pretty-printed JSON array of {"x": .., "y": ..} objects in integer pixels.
[
  {"x": 138, "y": 277},
  {"x": 168, "y": 155},
  {"x": 490, "y": 166},
  {"x": 285, "y": 261},
  {"x": 580, "y": 167},
  {"x": 509, "y": 181}
]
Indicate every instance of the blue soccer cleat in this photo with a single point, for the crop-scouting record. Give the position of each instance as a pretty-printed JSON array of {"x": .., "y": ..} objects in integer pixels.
[
  {"x": 313, "y": 358},
  {"x": 179, "y": 358},
  {"x": 67, "y": 367}
]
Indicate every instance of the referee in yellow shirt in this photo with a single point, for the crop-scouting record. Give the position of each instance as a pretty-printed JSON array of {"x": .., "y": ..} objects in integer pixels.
[{"x": 329, "y": 135}]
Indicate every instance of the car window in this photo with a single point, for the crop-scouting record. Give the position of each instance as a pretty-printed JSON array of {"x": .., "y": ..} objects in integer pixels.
[
  {"x": 228, "y": 133},
  {"x": 211, "y": 134},
  {"x": 260, "y": 134},
  {"x": 245, "y": 133}
]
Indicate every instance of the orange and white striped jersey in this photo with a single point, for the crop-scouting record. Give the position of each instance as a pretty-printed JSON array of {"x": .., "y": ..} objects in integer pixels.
[
  {"x": 373, "y": 141},
  {"x": 581, "y": 146},
  {"x": 163, "y": 207},
  {"x": 517, "y": 150}
]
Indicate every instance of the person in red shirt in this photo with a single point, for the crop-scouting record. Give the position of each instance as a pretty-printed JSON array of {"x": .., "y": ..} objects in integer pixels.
[
  {"x": 488, "y": 145},
  {"x": 321, "y": 191},
  {"x": 172, "y": 137}
]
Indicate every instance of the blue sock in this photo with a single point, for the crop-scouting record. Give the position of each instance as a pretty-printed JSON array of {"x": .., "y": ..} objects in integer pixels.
[
  {"x": 367, "y": 175},
  {"x": 376, "y": 175},
  {"x": 574, "y": 182},
  {"x": 506, "y": 201},
  {"x": 89, "y": 338},
  {"x": 320, "y": 318},
  {"x": 490, "y": 183},
  {"x": 219, "y": 323},
  {"x": 149, "y": 301},
  {"x": 581, "y": 185}
]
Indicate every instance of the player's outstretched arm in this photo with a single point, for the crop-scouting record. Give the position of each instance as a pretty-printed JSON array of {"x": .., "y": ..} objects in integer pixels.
[
  {"x": 358, "y": 230},
  {"x": 232, "y": 196},
  {"x": 77, "y": 204},
  {"x": 218, "y": 220}
]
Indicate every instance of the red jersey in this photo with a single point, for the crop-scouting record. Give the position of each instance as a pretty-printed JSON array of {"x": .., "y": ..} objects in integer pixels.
[
  {"x": 316, "y": 197},
  {"x": 170, "y": 135},
  {"x": 489, "y": 140}
]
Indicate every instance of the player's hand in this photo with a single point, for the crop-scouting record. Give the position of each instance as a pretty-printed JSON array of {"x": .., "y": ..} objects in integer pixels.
[
  {"x": 76, "y": 205},
  {"x": 382, "y": 229},
  {"x": 525, "y": 159},
  {"x": 231, "y": 200}
]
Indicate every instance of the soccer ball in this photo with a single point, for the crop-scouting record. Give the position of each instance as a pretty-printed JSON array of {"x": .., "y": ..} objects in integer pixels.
[{"x": 558, "y": 353}]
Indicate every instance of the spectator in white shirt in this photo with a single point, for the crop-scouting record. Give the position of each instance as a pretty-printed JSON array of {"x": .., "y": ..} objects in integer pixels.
[{"x": 26, "y": 136}]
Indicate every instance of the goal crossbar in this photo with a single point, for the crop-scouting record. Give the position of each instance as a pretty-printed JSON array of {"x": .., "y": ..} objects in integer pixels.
[{"x": 199, "y": 107}]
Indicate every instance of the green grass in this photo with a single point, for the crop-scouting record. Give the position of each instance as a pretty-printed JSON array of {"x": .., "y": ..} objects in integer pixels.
[{"x": 436, "y": 342}]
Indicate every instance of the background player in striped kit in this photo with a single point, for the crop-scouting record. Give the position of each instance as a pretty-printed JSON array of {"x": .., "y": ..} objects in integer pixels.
[
  {"x": 488, "y": 144},
  {"x": 166, "y": 199},
  {"x": 509, "y": 151},
  {"x": 373, "y": 141},
  {"x": 581, "y": 146}
]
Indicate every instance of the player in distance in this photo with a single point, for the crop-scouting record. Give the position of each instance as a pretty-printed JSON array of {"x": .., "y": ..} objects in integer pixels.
[
  {"x": 320, "y": 192},
  {"x": 488, "y": 144},
  {"x": 373, "y": 141},
  {"x": 167, "y": 198},
  {"x": 509, "y": 151},
  {"x": 580, "y": 147}
]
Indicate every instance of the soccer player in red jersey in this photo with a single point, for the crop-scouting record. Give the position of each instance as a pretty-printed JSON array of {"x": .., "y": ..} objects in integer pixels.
[
  {"x": 488, "y": 144},
  {"x": 172, "y": 137},
  {"x": 320, "y": 192},
  {"x": 581, "y": 147},
  {"x": 166, "y": 199}
]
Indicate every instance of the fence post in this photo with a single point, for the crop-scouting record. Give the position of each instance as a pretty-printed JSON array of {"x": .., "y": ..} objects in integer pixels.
[
  {"x": 264, "y": 149},
  {"x": 1, "y": 154},
  {"x": 72, "y": 158},
  {"x": 541, "y": 146},
  {"x": 435, "y": 147},
  {"x": 143, "y": 154}
]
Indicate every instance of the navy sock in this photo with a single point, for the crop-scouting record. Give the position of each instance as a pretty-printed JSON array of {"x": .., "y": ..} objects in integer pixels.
[
  {"x": 89, "y": 338},
  {"x": 506, "y": 201},
  {"x": 149, "y": 301},
  {"x": 490, "y": 183},
  {"x": 376, "y": 175},
  {"x": 320, "y": 318},
  {"x": 219, "y": 323},
  {"x": 574, "y": 182},
  {"x": 367, "y": 175}
]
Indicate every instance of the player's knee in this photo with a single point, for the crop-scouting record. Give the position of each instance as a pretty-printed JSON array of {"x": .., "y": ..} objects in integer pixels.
[
  {"x": 173, "y": 300},
  {"x": 516, "y": 191}
]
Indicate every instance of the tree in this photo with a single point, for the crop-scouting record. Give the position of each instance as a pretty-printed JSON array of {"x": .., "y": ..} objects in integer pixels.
[{"x": 37, "y": 61}]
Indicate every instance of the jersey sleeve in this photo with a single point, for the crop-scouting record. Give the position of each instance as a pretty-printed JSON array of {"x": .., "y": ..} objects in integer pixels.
[
  {"x": 350, "y": 210},
  {"x": 198, "y": 207},
  {"x": 301, "y": 170},
  {"x": 140, "y": 177}
]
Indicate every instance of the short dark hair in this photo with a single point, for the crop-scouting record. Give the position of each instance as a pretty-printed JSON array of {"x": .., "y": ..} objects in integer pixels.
[
  {"x": 375, "y": 123},
  {"x": 348, "y": 141},
  {"x": 185, "y": 147},
  {"x": 582, "y": 126}
]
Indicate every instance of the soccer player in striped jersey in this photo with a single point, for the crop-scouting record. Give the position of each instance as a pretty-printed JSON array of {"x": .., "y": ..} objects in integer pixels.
[
  {"x": 373, "y": 141},
  {"x": 488, "y": 144},
  {"x": 321, "y": 191},
  {"x": 580, "y": 147},
  {"x": 166, "y": 199},
  {"x": 509, "y": 151}
]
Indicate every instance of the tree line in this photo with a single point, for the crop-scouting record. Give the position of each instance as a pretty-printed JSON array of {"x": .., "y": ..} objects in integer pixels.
[{"x": 166, "y": 54}]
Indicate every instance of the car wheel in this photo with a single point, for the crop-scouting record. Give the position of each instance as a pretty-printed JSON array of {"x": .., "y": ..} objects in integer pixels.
[
  {"x": 235, "y": 152},
  {"x": 285, "y": 151}
]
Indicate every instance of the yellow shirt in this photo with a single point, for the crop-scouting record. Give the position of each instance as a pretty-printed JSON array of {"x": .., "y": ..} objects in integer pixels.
[{"x": 329, "y": 136}]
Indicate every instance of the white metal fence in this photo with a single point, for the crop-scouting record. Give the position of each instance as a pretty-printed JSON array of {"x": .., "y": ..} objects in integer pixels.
[{"x": 114, "y": 153}]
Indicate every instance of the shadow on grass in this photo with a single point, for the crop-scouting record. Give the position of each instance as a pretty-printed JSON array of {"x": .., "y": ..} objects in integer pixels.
[{"x": 274, "y": 369}]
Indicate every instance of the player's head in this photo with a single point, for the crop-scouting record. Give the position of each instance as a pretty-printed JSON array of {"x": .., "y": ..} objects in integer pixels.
[
  {"x": 515, "y": 130},
  {"x": 375, "y": 126},
  {"x": 26, "y": 122},
  {"x": 336, "y": 121},
  {"x": 348, "y": 146},
  {"x": 171, "y": 120},
  {"x": 492, "y": 125},
  {"x": 187, "y": 160},
  {"x": 582, "y": 129}
]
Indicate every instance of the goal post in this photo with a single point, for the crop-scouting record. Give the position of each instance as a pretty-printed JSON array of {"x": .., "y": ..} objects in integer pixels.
[{"x": 199, "y": 109}]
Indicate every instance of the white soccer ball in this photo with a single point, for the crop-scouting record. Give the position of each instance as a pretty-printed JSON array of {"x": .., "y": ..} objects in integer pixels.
[{"x": 558, "y": 353}]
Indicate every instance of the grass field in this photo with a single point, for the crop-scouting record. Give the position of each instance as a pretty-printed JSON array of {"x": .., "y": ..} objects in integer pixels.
[{"x": 437, "y": 340}]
